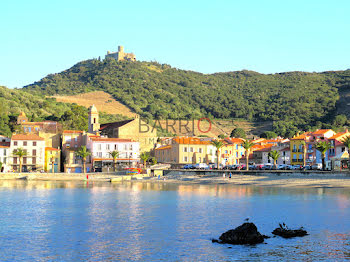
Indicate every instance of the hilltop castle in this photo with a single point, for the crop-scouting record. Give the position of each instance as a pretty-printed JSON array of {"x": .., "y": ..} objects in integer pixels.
[{"x": 120, "y": 55}]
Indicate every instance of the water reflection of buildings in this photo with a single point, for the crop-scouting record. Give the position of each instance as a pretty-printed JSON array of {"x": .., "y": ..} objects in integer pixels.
[{"x": 215, "y": 190}]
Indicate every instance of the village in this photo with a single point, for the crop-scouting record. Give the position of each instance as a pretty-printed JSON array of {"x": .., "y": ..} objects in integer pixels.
[{"x": 46, "y": 147}]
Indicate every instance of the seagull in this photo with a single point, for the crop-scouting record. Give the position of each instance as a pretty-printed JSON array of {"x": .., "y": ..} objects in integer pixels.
[{"x": 247, "y": 219}]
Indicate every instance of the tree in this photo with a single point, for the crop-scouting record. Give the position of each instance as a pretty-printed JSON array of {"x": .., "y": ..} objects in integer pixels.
[
  {"x": 323, "y": 146},
  {"x": 247, "y": 145},
  {"x": 340, "y": 120},
  {"x": 154, "y": 160},
  {"x": 218, "y": 144},
  {"x": 114, "y": 155},
  {"x": 144, "y": 157},
  {"x": 221, "y": 136},
  {"x": 238, "y": 132},
  {"x": 1, "y": 167},
  {"x": 83, "y": 153},
  {"x": 20, "y": 153},
  {"x": 274, "y": 154},
  {"x": 346, "y": 143},
  {"x": 268, "y": 135}
]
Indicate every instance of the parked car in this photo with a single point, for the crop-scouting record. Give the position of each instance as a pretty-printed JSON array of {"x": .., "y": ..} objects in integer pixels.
[
  {"x": 282, "y": 167},
  {"x": 316, "y": 166},
  {"x": 267, "y": 166},
  {"x": 188, "y": 166},
  {"x": 201, "y": 166}
]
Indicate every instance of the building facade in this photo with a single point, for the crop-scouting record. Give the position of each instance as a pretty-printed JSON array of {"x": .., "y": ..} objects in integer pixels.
[
  {"x": 101, "y": 148},
  {"x": 186, "y": 150},
  {"x": 34, "y": 146}
]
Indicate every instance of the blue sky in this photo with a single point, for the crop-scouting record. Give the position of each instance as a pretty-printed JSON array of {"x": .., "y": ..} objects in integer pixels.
[{"x": 40, "y": 37}]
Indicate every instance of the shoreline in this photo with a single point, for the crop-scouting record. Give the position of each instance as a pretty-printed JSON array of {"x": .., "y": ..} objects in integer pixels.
[{"x": 264, "y": 179}]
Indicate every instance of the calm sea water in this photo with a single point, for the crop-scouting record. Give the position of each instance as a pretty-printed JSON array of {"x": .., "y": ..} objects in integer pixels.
[{"x": 69, "y": 221}]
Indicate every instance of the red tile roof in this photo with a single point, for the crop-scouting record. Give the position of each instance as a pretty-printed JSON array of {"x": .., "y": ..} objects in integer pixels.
[
  {"x": 321, "y": 131},
  {"x": 340, "y": 135},
  {"x": 26, "y": 137},
  {"x": 163, "y": 147},
  {"x": 235, "y": 140},
  {"x": 51, "y": 149}
]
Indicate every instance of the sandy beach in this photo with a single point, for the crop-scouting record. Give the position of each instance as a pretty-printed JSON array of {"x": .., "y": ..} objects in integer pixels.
[{"x": 264, "y": 179}]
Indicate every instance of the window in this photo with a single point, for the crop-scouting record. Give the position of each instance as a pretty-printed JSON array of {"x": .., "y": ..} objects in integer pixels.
[
  {"x": 34, "y": 152},
  {"x": 294, "y": 148},
  {"x": 99, "y": 147},
  {"x": 191, "y": 149},
  {"x": 225, "y": 151},
  {"x": 343, "y": 149},
  {"x": 185, "y": 159},
  {"x": 115, "y": 147},
  {"x": 34, "y": 143},
  {"x": 24, "y": 160},
  {"x": 130, "y": 147},
  {"x": 236, "y": 146},
  {"x": 236, "y": 154},
  {"x": 15, "y": 160},
  {"x": 24, "y": 143},
  {"x": 200, "y": 159},
  {"x": 15, "y": 143},
  {"x": 107, "y": 146},
  {"x": 185, "y": 149},
  {"x": 34, "y": 160},
  {"x": 125, "y": 147},
  {"x": 75, "y": 139},
  {"x": 200, "y": 150},
  {"x": 68, "y": 138}
]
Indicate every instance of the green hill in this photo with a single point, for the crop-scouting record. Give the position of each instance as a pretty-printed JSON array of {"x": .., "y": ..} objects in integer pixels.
[
  {"x": 293, "y": 100},
  {"x": 39, "y": 108}
]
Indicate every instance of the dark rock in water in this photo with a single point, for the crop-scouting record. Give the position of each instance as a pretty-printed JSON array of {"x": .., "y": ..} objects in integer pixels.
[
  {"x": 285, "y": 232},
  {"x": 214, "y": 240},
  {"x": 246, "y": 233}
]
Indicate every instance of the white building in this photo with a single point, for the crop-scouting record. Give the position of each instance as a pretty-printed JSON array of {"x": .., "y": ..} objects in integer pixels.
[
  {"x": 34, "y": 146},
  {"x": 4, "y": 152},
  {"x": 101, "y": 147}
]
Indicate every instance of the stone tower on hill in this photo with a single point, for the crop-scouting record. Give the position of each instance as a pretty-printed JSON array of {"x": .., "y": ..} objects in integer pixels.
[
  {"x": 94, "y": 125},
  {"x": 120, "y": 55}
]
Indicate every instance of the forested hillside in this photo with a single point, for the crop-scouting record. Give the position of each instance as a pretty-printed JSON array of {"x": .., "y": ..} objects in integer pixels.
[
  {"x": 39, "y": 108},
  {"x": 293, "y": 100}
]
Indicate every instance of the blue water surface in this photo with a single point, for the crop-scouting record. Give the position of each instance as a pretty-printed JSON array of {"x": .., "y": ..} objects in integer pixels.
[{"x": 140, "y": 221}]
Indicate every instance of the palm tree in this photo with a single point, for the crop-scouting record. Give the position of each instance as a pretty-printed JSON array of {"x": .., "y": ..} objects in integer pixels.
[
  {"x": 144, "y": 157},
  {"x": 154, "y": 161},
  {"x": 274, "y": 154},
  {"x": 115, "y": 155},
  {"x": 323, "y": 146},
  {"x": 218, "y": 144},
  {"x": 346, "y": 143},
  {"x": 247, "y": 145},
  {"x": 83, "y": 153},
  {"x": 20, "y": 153}
]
